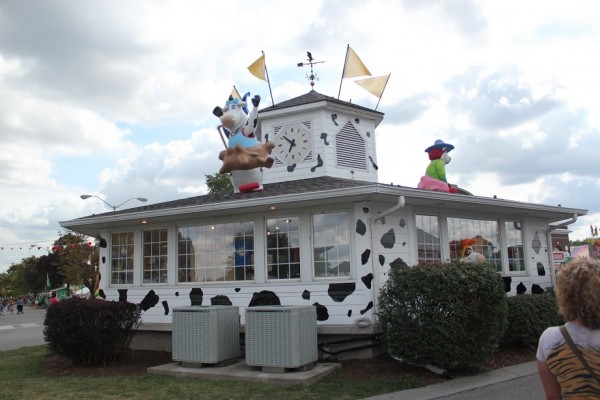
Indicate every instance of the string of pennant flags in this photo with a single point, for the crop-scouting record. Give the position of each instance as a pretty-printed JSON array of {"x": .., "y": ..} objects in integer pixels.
[{"x": 39, "y": 247}]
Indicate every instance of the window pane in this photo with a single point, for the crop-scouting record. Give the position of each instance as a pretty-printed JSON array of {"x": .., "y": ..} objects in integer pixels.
[
  {"x": 474, "y": 240},
  {"x": 155, "y": 255},
  {"x": 514, "y": 244},
  {"x": 216, "y": 249},
  {"x": 283, "y": 248},
  {"x": 121, "y": 258},
  {"x": 331, "y": 244},
  {"x": 428, "y": 239}
]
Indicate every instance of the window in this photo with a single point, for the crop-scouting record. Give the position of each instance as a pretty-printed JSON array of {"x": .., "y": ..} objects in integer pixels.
[
  {"x": 121, "y": 259},
  {"x": 474, "y": 240},
  {"x": 211, "y": 253},
  {"x": 428, "y": 239},
  {"x": 154, "y": 257},
  {"x": 283, "y": 248},
  {"x": 331, "y": 245},
  {"x": 514, "y": 244}
]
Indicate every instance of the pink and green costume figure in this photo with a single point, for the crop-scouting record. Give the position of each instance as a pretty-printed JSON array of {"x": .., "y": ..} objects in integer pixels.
[{"x": 435, "y": 174}]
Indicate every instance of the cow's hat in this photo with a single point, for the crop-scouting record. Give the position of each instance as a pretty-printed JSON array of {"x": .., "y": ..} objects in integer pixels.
[{"x": 439, "y": 144}]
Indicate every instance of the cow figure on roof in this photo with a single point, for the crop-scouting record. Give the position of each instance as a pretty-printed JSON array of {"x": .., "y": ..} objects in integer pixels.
[{"x": 244, "y": 155}]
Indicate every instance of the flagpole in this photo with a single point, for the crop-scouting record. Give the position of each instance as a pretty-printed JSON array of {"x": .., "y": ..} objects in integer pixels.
[
  {"x": 384, "y": 86},
  {"x": 343, "y": 70},
  {"x": 268, "y": 80}
]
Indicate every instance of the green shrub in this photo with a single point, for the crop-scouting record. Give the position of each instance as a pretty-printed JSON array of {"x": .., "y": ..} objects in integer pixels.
[
  {"x": 91, "y": 331},
  {"x": 528, "y": 316},
  {"x": 452, "y": 316}
]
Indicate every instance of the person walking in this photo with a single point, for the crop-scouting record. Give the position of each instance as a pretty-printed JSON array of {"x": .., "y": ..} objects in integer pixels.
[
  {"x": 20, "y": 305},
  {"x": 568, "y": 356},
  {"x": 53, "y": 298},
  {"x": 11, "y": 305}
]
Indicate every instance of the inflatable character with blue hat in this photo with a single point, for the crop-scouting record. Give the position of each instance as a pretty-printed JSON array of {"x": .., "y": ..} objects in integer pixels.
[{"x": 435, "y": 174}]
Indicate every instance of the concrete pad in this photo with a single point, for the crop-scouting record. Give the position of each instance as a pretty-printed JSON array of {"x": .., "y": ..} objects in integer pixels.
[{"x": 242, "y": 372}]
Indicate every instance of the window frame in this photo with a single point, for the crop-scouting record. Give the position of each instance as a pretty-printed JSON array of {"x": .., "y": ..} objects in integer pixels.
[
  {"x": 313, "y": 241},
  {"x": 132, "y": 244},
  {"x": 158, "y": 244}
]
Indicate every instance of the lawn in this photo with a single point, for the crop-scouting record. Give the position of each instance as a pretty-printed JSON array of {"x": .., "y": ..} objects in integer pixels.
[{"x": 32, "y": 373}]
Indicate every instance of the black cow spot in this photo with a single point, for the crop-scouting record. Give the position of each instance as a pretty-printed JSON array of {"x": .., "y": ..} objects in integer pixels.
[
  {"x": 402, "y": 223},
  {"x": 264, "y": 298},
  {"x": 196, "y": 296},
  {"x": 122, "y": 294},
  {"x": 507, "y": 281},
  {"x": 102, "y": 294},
  {"x": 366, "y": 210},
  {"x": 368, "y": 134},
  {"x": 398, "y": 263},
  {"x": 176, "y": 294},
  {"x": 403, "y": 244},
  {"x": 333, "y": 118},
  {"x": 324, "y": 137},
  {"x": 367, "y": 279},
  {"x": 255, "y": 122},
  {"x": 382, "y": 219},
  {"x": 103, "y": 260},
  {"x": 103, "y": 243},
  {"x": 367, "y": 308},
  {"x": 361, "y": 228},
  {"x": 364, "y": 257},
  {"x": 541, "y": 270},
  {"x": 357, "y": 120},
  {"x": 339, "y": 291},
  {"x": 536, "y": 245},
  {"x": 373, "y": 163},
  {"x": 149, "y": 301},
  {"x": 291, "y": 168},
  {"x": 237, "y": 289},
  {"x": 536, "y": 289},
  {"x": 266, "y": 137},
  {"x": 388, "y": 239},
  {"x": 166, "y": 307},
  {"x": 322, "y": 312},
  {"x": 521, "y": 288},
  {"x": 220, "y": 300},
  {"x": 319, "y": 163},
  {"x": 306, "y": 295},
  {"x": 381, "y": 260}
]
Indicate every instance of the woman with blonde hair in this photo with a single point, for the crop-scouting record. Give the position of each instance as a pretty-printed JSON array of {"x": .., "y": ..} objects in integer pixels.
[{"x": 568, "y": 356}]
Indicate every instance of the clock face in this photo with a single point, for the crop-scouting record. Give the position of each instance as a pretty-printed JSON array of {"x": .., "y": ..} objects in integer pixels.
[{"x": 293, "y": 143}]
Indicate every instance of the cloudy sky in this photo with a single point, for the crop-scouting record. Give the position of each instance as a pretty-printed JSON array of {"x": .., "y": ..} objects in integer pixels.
[{"x": 115, "y": 98}]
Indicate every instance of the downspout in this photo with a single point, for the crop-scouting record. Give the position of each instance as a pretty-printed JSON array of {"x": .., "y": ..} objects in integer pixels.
[{"x": 374, "y": 262}]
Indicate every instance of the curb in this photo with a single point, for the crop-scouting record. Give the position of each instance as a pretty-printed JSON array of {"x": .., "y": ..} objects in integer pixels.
[{"x": 463, "y": 384}]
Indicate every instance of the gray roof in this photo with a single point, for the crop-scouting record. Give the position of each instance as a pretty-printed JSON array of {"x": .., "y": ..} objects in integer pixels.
[{"x": 314, "y": 97}]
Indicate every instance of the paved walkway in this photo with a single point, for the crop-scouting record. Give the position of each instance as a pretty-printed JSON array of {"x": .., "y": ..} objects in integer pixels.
[{"x": 522, "y": 379}]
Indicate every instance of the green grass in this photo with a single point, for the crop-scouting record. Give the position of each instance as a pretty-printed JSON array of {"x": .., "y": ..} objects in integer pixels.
[{"x": 22, "y": 376}]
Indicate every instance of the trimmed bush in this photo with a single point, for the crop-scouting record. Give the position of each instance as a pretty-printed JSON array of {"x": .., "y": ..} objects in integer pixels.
[
  {"x": 528, "y": 316},
  {"x": 91, "y": 331},
  {"x": 452, "y": 316}
]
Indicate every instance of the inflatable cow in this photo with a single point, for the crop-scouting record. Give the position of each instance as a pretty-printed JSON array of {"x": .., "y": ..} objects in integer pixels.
[{"x": 244, "y": 155}]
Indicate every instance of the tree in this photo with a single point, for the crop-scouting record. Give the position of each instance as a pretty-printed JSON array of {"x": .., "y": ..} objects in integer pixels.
[
  {"x": 77, "y": 260},
  {"x": 219, "y": 183}
]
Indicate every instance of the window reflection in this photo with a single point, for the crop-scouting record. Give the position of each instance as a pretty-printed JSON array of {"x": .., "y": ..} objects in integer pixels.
[
  {"x": 216, "y": 252},
  {"x": 331, "y": 246}
]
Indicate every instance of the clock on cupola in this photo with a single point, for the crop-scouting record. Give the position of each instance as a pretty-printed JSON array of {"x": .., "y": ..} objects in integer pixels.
[
  {"x": 292, "y": 143},
  {"x": 317, "y": 135}
]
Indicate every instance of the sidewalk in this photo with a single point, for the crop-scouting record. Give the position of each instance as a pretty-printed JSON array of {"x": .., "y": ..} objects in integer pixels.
[{"x": 459, "y": 385}]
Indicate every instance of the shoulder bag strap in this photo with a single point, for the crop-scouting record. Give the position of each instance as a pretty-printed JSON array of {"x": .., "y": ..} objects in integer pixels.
[{"x": 573, "y": 346}]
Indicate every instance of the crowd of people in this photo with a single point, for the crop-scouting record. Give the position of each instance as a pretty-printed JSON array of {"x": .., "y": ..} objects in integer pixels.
[{"x": 14, "y": 305}]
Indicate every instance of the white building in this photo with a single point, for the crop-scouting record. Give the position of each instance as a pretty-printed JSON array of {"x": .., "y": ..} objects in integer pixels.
[{"x": 323, "y": 231}]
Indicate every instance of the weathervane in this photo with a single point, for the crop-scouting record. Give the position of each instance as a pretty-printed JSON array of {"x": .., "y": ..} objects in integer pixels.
[{"x": 312, "y": 77}]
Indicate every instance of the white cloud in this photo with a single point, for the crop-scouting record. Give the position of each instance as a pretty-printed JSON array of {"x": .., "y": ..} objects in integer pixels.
[{"x": 116, "y": 99}]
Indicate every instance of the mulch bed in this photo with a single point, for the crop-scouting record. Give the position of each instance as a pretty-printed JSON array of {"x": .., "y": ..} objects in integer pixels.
[{"x": 382, "y": 367}]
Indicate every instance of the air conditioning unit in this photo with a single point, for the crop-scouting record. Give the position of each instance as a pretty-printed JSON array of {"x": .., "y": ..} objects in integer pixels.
[
  {"x": 281, "y": 336},
  {"x": 205, "y": 334}
]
